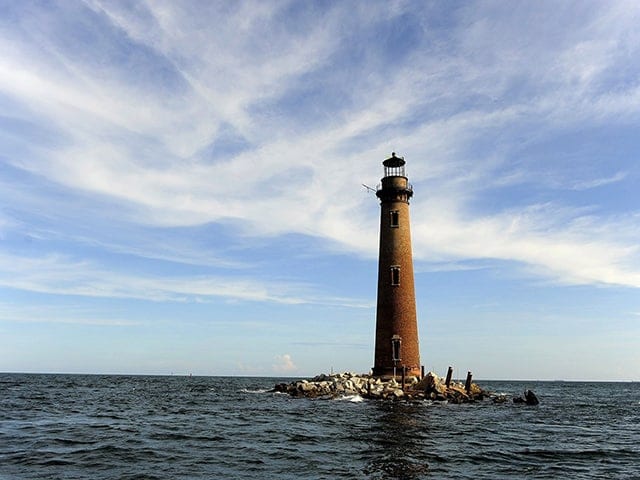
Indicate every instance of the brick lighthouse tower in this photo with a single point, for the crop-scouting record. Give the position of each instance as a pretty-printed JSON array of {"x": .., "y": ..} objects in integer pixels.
[{"x": 396, "y": 322}]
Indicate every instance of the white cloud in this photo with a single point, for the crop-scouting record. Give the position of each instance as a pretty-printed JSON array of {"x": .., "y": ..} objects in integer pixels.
[
  {"x": 556, "y": 243},
  {"x": 65, "y": 276},
  {"x": 148, "y": 147},
  {"x": 599, "y": 182},
  {"x": 284, "y": 364},
  {"x": 56, "y": 314}
]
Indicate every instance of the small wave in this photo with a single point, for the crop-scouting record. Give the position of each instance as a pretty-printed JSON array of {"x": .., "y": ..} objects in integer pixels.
[
  {"x": 432, "y": 403},
  {"x": 352, "y": 398},
  {"x": 259, "y": 390},
  {"x": 71, "y": 441},
  {"x": 55, "y": 462}
]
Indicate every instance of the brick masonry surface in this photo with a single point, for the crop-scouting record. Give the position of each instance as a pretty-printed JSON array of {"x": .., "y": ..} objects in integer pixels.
[{"x": 396, "y": 307}]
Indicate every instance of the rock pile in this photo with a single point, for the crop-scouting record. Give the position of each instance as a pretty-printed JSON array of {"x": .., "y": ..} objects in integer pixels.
[
  {"x": 431, "y": 387},
  {"x": 529, "y": 398}
]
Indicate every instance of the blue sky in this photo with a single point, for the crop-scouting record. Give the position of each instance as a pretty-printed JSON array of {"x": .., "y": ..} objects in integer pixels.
[{"x": 180, "y": 184}]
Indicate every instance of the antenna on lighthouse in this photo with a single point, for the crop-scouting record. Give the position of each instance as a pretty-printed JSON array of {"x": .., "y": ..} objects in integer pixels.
[{"x": 369, "y": 189}]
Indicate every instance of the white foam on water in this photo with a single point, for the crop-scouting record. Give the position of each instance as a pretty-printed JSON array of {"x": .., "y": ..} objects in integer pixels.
[
  {"x": 260, "y": 390},
  {"x": 352, "y": 398}
]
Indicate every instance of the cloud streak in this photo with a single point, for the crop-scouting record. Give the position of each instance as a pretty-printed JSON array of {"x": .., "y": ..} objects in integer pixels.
[
  {"x": 53, "y": 314},
  {"x": 66, "y": 276},
  {"x": 149, "y": 133}
]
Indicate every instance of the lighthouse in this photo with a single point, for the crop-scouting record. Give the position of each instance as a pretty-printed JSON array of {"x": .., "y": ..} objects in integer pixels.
[{"x": 396, "y": 347}]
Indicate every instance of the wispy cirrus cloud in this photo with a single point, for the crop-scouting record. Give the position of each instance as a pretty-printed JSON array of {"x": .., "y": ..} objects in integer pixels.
[
  {"x": 151, "y": 130},
  {"x": 557, "y": 243},
  {"x": 56, "y": 314},
  {"x": 157, "y": 156},
  {"x": 55, "y": 274},
  {"x": 599, "y": 182}
]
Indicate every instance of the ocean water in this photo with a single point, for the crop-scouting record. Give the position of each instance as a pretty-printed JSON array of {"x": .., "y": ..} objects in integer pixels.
[{"x": 143, "y": 427}]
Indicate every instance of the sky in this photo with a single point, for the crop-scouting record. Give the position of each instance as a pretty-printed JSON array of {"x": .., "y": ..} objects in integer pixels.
[{"x": 181, "y": 184}]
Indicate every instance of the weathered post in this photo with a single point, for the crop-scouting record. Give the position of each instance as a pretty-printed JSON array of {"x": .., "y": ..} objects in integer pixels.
[
  {"x": 467, "y": 385},
  {"x": 421, "y": 372},
  {"x": 449, "y": 374}
]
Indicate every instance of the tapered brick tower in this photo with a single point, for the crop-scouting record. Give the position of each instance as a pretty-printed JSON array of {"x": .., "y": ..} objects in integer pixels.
[{"x": 396, "y": 322}]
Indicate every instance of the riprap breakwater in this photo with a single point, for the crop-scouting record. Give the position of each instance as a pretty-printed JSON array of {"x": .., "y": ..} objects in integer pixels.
[{"x": 431, "y": 387}]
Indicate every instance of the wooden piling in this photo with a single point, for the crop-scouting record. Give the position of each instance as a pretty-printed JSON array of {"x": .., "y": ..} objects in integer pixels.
[
  {"x": 449, "y": 374},
  {"x": 467, "y": 385},
  {"x": 404, "y": 374}
]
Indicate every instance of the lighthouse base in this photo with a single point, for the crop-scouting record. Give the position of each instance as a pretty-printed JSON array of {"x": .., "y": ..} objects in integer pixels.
[{"x": 397, "y": 372}]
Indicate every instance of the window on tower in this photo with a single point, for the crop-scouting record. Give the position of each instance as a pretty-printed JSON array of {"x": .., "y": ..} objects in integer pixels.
[
  {"x": 395, "y": 348},
  {"x": 394, "y": 218},
  {"x": 395, "y": 275}
]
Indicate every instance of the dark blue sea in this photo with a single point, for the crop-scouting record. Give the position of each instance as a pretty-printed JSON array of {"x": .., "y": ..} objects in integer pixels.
[{"x": 145, "y": 427}]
